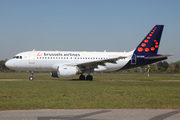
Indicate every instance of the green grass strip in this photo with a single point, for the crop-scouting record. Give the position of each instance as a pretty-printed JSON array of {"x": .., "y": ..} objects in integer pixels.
[
  {"x": 95, "y": 76},
  {"x": 88, "y": 94}
]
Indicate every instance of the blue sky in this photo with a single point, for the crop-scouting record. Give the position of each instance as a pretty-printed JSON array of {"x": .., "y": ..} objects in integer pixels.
[{"x": 86, "y": 25}]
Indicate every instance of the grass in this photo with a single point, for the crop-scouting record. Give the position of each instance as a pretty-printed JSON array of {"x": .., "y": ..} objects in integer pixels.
[
  {"x": 136, "y": 77},
  {"x": 88, "y": 94},
  {"x": 96, "y": 77}
]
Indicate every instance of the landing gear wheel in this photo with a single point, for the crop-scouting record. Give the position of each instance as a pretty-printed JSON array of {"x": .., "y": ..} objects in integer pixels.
[
  {"x": 89, "y": 77},
  {"x": 31, "y": 78},
  {"x": 82, "y": 77}
]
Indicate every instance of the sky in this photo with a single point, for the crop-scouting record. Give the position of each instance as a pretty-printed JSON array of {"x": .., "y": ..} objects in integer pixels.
[{"x": 86, "y": 25}]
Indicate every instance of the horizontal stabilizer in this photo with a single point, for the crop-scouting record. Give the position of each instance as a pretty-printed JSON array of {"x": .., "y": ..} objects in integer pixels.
[{"x": 157, "y": 57}]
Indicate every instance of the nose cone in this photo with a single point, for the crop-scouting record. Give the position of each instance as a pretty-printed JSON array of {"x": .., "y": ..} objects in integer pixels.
[{"x": 9, "y": 64}]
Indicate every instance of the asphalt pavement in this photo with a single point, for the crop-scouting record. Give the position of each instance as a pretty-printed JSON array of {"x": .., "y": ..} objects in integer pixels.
[{"x": 91, "y": 114}]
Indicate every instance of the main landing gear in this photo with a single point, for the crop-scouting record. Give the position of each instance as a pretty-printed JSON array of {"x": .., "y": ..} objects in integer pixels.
[
  {"x": 88, "y": 77},
  {"x": 31, "y": 77}
]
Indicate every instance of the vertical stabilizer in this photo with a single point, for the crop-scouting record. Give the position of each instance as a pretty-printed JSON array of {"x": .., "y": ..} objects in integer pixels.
[{"x": 150, "y": 44}]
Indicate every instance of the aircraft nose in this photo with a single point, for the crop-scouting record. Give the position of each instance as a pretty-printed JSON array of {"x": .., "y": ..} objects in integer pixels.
[{"x": 9, "y": 64}]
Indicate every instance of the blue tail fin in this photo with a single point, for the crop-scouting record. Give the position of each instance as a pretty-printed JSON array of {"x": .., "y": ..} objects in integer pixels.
[{"x": 151, "y": 42}]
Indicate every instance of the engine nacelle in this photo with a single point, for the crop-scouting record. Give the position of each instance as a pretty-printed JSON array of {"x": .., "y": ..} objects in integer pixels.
[{"x": 65, "y": 71}]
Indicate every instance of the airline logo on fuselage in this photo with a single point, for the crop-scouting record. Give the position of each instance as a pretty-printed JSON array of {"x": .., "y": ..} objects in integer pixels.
[
  {"x": 58, "y": 54},
  {"x": 39, "y": 54}
]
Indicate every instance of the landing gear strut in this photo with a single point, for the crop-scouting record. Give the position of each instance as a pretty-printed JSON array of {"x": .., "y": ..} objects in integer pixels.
[{"x": 31, "y": 77}]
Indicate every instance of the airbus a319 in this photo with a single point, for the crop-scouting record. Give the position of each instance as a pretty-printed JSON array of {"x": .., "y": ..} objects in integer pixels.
[{"x": 70, "y": 63}]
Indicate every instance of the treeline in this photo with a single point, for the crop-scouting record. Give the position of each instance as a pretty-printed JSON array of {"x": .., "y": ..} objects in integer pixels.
[
  {"x": 3, "y": 68},
  {"x": 159, "y": 67}
]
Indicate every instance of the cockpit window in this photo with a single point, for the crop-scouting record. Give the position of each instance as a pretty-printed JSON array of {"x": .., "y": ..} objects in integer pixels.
[{"x": 17, "y": 57}]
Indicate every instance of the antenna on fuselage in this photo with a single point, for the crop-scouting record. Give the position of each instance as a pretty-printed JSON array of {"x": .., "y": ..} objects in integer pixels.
[{"x": 33, "y": 49}]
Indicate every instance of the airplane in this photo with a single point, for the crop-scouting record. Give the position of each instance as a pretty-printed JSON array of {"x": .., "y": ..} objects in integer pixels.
[{"x": 71, "y": 63}]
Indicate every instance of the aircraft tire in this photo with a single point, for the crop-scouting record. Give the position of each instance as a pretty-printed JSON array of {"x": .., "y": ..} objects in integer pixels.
[
  {"x": 89, "y": 77},
  {"x": 81, "y": 77},
  {"x": 31, "y": 78}
]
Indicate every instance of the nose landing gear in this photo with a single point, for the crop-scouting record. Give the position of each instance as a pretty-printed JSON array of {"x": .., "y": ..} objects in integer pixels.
[{"x": 31, "y": 77}]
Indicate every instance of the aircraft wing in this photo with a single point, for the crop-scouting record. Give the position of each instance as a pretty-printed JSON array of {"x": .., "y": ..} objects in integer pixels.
[
  {"x": 94, "y": 64},
  {"x": 157, "y": 57}
]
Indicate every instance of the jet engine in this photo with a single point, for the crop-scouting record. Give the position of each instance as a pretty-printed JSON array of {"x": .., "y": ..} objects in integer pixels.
[{"x": 66, "y": 71}]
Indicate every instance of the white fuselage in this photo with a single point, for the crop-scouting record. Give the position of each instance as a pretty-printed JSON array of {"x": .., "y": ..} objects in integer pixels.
[{"x": 49, "y": 60}]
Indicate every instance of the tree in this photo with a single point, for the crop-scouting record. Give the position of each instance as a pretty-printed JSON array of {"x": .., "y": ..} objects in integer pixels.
[
  {"x": 176, "y": 69},
  {"x": 153, "y": 69},
  {"x": 3, "y": 67},
  {"x": 163, "y": 66}
]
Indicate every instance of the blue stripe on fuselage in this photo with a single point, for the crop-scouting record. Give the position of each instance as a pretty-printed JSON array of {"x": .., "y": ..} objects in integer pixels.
[{"x": 140, "y": 62}]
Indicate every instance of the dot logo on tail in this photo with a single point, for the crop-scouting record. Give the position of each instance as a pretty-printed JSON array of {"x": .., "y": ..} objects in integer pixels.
[{"x": 146, "y": 41}]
